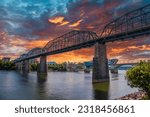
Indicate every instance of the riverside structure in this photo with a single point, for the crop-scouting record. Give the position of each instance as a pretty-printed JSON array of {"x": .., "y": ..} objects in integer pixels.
[{"x": 127, "y": 27}]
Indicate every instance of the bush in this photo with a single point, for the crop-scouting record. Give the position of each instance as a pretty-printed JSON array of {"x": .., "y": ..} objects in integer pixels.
[{"x": 139, "y": 76}]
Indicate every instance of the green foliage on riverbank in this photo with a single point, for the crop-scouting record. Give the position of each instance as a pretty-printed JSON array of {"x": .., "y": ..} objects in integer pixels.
[
  {"x": 33, "y": 67},
  {"x": 139, "y": 76},
  {"x": 57, "y": 67},
  {"x": 7, "y": 65},
  {"x": 52, "y": 67}
]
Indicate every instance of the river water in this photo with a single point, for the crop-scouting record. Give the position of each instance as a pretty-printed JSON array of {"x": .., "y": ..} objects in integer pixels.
[{"x": 61, "y": 85}]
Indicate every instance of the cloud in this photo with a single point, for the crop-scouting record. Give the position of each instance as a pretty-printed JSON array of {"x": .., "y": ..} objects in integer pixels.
[
  {"x": 25, "y": 24},
  {"x": 59, "y": 20},
  {"x": 75, "y": 24}
]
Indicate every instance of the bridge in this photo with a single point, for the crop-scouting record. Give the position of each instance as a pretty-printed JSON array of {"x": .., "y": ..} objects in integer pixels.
[{"x": 127, "y": 27}]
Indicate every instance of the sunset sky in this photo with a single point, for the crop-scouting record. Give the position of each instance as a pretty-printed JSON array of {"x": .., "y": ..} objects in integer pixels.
[{"x": 25, "y": 24}]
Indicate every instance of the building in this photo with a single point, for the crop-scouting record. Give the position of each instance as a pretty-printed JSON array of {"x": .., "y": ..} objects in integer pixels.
[
  {"x": 70, "y": 66},
  {"x": 51, "y": 63},
  {"x": 88, "y": 64},
  {"x": 6, "y": 59}
]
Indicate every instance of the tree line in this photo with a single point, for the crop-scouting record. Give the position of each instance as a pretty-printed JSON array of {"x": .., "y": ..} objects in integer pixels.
[
  {"x": 7, "y": 65},
  {"x": 52, "y": 67}
]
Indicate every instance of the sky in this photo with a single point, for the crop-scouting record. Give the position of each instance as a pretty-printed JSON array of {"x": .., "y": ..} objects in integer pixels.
[{"x": 26, "y": 24}]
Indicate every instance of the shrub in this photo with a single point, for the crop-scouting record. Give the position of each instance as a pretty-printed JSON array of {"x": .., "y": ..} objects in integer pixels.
[{"x": 139, "y": 76}]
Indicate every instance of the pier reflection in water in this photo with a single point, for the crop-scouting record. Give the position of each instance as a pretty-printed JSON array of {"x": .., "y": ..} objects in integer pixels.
[{"x": 61, "y": 85}]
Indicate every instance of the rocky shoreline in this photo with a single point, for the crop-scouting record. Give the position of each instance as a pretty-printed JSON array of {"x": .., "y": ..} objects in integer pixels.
[{"x": 134, "y": 96}]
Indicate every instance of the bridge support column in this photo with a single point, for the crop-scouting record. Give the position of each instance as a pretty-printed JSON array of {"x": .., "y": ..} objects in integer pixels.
[
  {"x": 100, "y": 64},
  {"x": 26, "y": 66},
  {"x": 20, "y": 66},
  {"x": 17, "y": 66},
  {"x": 42, "y": 69}
]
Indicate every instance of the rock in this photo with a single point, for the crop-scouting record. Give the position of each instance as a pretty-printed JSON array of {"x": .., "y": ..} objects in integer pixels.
[{"x": 133, "y": 96}]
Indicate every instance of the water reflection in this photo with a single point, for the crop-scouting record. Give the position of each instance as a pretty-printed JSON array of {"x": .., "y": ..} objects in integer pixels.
[
  {"x": 101, "y": 91},
  {"x": 41, "y": 90},
  {"x": 41, "y": 77},
  {"x": 60, "y": 85},
  {"x": 114, "y": 76}
]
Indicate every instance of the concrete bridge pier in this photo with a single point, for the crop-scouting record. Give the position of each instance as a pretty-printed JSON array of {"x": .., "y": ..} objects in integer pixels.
[
  {"x": 42, "y": 69},
  {"x": 100, "y": 64},
  {"x": 19, "y": 66},
  {"x": 25, "y": 66}
]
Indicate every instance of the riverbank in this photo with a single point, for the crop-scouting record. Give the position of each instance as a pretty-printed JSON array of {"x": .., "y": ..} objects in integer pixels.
[{"x": 134, "y": 96}]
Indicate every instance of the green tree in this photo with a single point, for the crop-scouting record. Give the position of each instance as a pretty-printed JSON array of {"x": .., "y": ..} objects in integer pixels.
[
  {"x": 57, "y": 67},
  {"x": 139, "y": 76},
  {"x": 33, "y": 67},
  {"x": 0, "y": 64},
  {"x": 7, "y": 65}
]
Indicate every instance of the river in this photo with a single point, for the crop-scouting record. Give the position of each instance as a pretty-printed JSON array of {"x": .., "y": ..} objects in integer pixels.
[{"x": 61, "y": 85}]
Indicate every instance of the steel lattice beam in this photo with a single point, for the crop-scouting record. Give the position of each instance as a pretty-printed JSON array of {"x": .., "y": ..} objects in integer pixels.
[{"x": 129, "y": 22}]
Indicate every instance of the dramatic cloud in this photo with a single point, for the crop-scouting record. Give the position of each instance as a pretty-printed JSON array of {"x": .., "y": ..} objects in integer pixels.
[
  {"x": 25, "y": 24},
  {"x": 59, "y": 20},
  {"x": 76, "y": 23}
]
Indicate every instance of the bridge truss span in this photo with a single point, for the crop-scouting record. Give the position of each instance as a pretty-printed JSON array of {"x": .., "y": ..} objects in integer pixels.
[
  {"x": 70, "y": 39},
  {"x": 136, "y": 21},
  {"x": 129, "y": 25},
  {"x": 34, "y": 51}
]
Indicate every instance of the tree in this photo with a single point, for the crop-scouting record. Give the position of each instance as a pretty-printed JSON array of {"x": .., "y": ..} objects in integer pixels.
[
  {"x": 7, "y": 65},
  {"x": 33, "y": 67},
  {"x": 1, "y": 64},
  {"x": 139, "y": 76}
]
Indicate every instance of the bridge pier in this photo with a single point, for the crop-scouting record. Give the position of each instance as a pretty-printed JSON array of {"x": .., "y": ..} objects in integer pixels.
[
  {"x": 43, "y": 65},
  {"x": 42, "y": 69},
  {"x": 18, "y": 66},
  {"x": 100, "y": 64},
  {"x": 25, "y": 66}
]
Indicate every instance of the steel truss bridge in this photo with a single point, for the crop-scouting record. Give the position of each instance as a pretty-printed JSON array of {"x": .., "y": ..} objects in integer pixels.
[{"x": 128, "y": 26}]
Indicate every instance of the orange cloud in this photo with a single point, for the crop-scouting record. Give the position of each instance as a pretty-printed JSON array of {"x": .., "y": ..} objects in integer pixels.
[
  {"x": 76, "y": 23},
  {"x": 145, "y": 47},
  {"x": 64, "y": 23},
  {"x": 37, "y": 43},
  {"x": 118, "y": 50},
  {"x": 61, "y": 22},
  {"x": 90, "y": 27},
  {"x": 81, "y": 55},
  {"x": 58, "y": 20}
]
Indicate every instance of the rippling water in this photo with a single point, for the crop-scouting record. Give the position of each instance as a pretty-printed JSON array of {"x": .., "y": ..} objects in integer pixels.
[{"x": 61, "y": 85}]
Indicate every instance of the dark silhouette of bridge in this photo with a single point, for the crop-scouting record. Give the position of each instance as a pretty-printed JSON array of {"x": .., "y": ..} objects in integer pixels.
[{"x": 127, "y": 27}]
